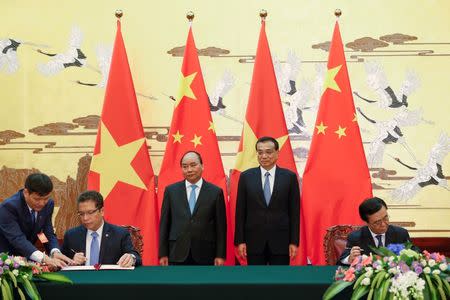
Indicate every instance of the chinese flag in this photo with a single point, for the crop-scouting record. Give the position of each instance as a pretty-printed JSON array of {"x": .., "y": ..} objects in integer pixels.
[
  {"x": 264, "y": 117},
  {"x": 192, "y": 128},
  {"x": 120, "y": 169},
  {"x": 336, "y": 177}
]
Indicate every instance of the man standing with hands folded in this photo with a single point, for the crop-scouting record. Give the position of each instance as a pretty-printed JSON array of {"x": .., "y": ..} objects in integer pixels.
[
  {"x": 267, "y": 210},
  {"x": 96, "y": 241},
  {"x": 193, "y": 225}
]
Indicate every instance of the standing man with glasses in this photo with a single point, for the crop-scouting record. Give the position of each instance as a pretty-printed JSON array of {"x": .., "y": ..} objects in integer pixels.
[
  {"x": 267, "y": 210},
  {"x": 193, "y": 226},
  {"x": 96, "y": 241},
  {"x": 26, "y": 217},
  {"x": 377, "y": 232}
]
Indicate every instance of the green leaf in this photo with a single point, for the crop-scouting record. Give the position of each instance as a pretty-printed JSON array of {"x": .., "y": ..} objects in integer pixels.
[
  {"x": 335, "y": 288},
  {"x": 359, "y": 292},
  {"x": 358, "y": 282},
  {"x": 55, "y": 277},
  {"x": 382, "y": 251},
  {"x": 29, "y": 289},
  {"x": 380, "y": 280},
  {"x": 408, "y": 244},
  {"x": 446, "y": 286},
  {"x": 385, "y": 288},
  {"x": 6, "y": 290},
  {"x": 35, "y": 289},
  {"x": 369, "y": 297},
  {"x": 440, "y": 287},
  {"x": 13, "y": 278},
  {"x": 21, "y": 294},
  {"x": 426, "y": 293},
  {"x": 433, "y": 295}
]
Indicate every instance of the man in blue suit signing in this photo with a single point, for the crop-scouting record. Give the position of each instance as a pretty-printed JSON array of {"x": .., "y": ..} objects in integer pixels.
[
  {"x": 26, "y": 217},
  {"x": 96, "y": 241}
]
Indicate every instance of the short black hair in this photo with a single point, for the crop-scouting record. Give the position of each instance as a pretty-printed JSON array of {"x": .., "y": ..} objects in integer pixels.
[
  {"x": 39, "y": 183},
  {"x": 191, "y": 151},
  {"x": 91, "y": 196},
  {"x": 267, "y": 139},
  {"x": 370, "y": 206}
]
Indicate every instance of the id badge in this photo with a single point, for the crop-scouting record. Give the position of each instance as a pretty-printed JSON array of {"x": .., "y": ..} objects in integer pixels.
[{"x": 41, "y": 236}]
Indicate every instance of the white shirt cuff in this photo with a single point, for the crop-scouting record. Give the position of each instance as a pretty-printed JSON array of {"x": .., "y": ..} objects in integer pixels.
[
  {"x": 345, "y": 260},
  {"x": 54, "y": 250},
  {"x": 37, "y": 256}
]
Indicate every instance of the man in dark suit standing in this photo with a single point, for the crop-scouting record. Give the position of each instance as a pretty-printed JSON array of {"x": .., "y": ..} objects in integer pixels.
[
  {"x": 193, "y": 225},
  {"x": 27, "y": 216},
  {"x": 377, "y": 233},
  {"x": 267, "y": 210},
  {"x": 96, "y": 241}
]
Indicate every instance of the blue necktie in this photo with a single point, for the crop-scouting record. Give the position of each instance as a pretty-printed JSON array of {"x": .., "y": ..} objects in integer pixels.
[
  {"x": 267, "y": 193},
  {"x": 95, "y": 249},
  {"x": 192, "y": 198},
  {"x": 380, "y": 242},
  {"x": 33, "y": 218}
]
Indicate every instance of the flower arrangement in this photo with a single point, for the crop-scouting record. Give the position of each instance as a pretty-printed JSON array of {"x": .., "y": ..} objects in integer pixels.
[
  {"x": 16, "y": 273},
  {"x": 396, "y": 272}
]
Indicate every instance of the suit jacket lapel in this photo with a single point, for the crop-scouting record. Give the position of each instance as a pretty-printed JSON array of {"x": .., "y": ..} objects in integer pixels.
[
  {"x": 276, "y": 184},
  {"x": 26, "y": 212},
  {"x": 105, "y": 241},
  {"x": 182, "y": 196},
  {"x": 368, "y": 239},
  {"x": 81, "y": 247},
  {"x": 260, "y": 197},
  {"x": 389, "y": 236},
  {"x": 201, "y": 196}
]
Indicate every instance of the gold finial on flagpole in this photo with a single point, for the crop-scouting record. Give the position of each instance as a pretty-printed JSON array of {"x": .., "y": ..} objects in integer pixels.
[
  {"x": 337, "y": 12},
  {"x": 263, "y": 14},
  {"x": 119, "y": 13},
  {"x": 190, "y": 15}
]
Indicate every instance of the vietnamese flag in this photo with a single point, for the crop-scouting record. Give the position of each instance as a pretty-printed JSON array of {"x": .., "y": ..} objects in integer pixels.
[
  {"x": 192, "y": 129},
  {"x": 336, "y": 177},
  {"x": 121, "y": 169},
  {"x": 264, "y": 117}
]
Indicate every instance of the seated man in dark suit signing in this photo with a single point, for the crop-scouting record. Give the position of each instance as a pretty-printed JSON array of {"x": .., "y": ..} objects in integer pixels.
[
  {"x": 193, "y": 225},
  {"x": 96, "y": 241},
  {"x": 377, "y": 233},
  {"x": 27, "y": 216}
]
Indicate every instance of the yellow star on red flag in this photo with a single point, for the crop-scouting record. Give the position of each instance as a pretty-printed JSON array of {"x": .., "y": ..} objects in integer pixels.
[
  {"x": 185, "y": 89},
  {"x": 196, "y": 140},
  {"x": 330, "y": 79},
  {"x": 113, "y": 163}
]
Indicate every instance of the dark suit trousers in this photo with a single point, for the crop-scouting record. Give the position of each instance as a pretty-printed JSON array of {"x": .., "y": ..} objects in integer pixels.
[
  {"x": 189, "y": 261},
  {"x": 267, "y": 258}
]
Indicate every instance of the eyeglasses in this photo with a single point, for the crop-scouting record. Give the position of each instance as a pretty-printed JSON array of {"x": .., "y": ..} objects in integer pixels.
[
  {"x": 87, "y": 213},
  {"x": 378, "y": 223}
]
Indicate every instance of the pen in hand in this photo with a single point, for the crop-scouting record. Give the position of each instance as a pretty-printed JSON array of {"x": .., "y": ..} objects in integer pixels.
[{"x": 78, "y": 258}]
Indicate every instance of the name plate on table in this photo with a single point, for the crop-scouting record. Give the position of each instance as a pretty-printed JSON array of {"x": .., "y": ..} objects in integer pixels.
[{"x": 95, "y": 268}]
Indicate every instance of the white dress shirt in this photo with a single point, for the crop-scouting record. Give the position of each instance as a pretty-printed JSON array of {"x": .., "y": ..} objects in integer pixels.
[
  {"x": 89, "y": 240},
  {"x": 271, "y": 177},
  {"x": 189, "y": 189}
]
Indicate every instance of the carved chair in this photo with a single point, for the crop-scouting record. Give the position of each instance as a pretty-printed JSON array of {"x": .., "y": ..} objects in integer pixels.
[
  {"x": 335, "y": 240},
  {"x": 136, "y": 238}
]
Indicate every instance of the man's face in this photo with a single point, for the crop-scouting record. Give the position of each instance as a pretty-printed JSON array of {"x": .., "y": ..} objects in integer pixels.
[
  {"x": 35, "y": 201},
  {"x": 379, "y": 221},
  {"x": 90, "y": 216},
  {"x": 191, "y": 167},
  {"x": 267, "y": 155}
]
